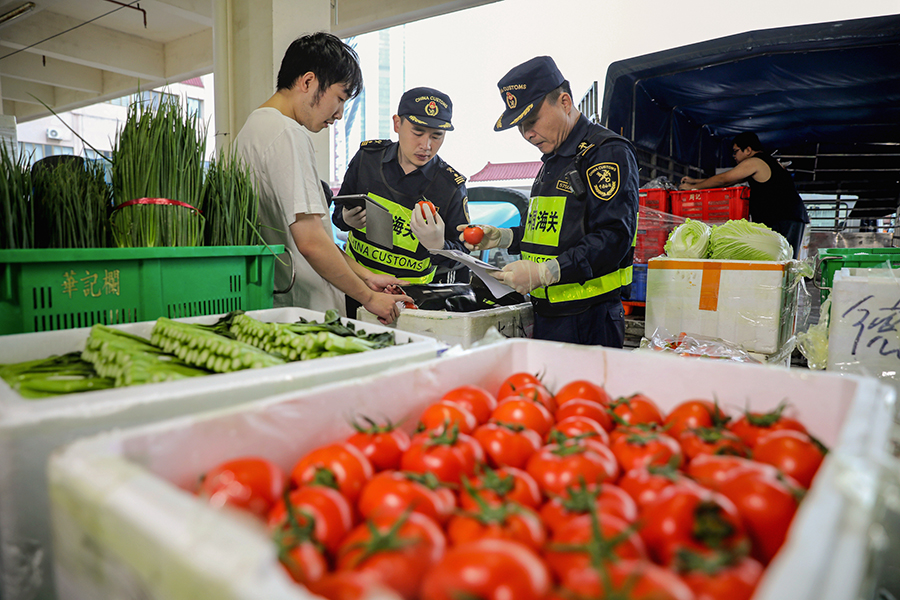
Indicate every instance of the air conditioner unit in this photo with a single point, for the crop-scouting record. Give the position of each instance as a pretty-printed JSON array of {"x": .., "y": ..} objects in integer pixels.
[{"x": 54, "y": 134}]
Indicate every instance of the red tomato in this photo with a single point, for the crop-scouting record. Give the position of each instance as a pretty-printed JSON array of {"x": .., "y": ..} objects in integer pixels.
[
  {"x": 507, "y": 444},
  {"x": 381, "y": 444},
  {"x": 473, "y": 235},
  {"x": 629, "y": 579},
  {"x": 340, "y": 466},
  {"x": 532, "y": 415},
  {"x": 714, "y": 577},
  {"x": 690, "y": 517},
  {"x": 572, "y": 546},
  {"x": 250, "y": 483},
  {"x": 767, "y": 504},
  {"x": 559, "y": 466},
  {"x": 304, "y": 562},
  {"x": 509, "y": 521},
  {"x": 422, "y": 204},
  {"x": 489, "y": 570},
  {"x": 793, "y": 453},
  {"x": 643, "y": 449},
  {"x": 711, "y": 470},
  {"x": 476, "y": 400},
  {"x": 646, "y": 484},
  {"x": 582, "y": 390},
  {"x": 636, "y": 409},
  {"x": 349, "y": 585},
  {"x": 392, "y": 493},
  {"x": 535, "y": 392},
  {"x": 443, "y": 414},
  {"x": 577, "y": 427},
  {"x": 397, "y": 552},
  {"x": 752, "y": 425},
  {"x": 711, "y": 440},
  {"x": 514, "y": 382},
  {"x": 605, "y": 498},
  {"x": 326, "y": 508},
  {"x": 585, "y": 408},
  {"x": 449, "y": 455},
  {"x": 506, "y": 484},
  {"x": 692, "y": 414}
]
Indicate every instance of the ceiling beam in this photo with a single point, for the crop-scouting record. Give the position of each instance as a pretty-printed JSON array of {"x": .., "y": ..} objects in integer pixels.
[
  {"x": 197, "y": 11},
  {"x": 355, "y": 17},
  {"x": 189, "y": 56},
  {"x": 89, "y": 45},
  {"x": 27, "y": 92},
  {"x": 32, "y": 67}
]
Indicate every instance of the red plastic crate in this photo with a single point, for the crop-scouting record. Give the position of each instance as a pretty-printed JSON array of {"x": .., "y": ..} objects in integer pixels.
[
  {"x": 657, "y": 199},
  {"x": 716, "y": 204},
  {"x": 650, "y": 244}
]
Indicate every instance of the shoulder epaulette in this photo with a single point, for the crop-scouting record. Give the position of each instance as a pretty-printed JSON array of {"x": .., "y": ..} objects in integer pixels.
[
  {"x": 457, "y": 178},
  {"x": 584, "y": 146},
  {"x": 373, "y": 144}
]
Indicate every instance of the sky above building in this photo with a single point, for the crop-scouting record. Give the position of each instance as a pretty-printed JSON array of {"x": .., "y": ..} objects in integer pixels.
[{"x": 465, "y": 53}]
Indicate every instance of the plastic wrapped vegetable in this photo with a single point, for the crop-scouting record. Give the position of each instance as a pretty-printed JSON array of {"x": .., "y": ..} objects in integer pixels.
[
  {"x": 743, "y": 240},
  {"x": 689, "y": 240}
]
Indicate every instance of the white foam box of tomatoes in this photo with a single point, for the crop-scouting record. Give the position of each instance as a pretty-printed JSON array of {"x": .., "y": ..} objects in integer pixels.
[
  {"x": 463, "y": 328},
  {"x": 752, "y": 304},
  {"x": 126, "y": 525},
  {"x": 31, "y": 429}
]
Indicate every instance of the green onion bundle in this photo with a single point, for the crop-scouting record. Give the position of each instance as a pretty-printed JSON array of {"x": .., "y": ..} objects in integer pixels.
[
  {"x": 73, "y": 200},
  {"x": 17, "y": 223},
  {"x": 231, "y": 203},
  {"x": 47, "y": 377},
  {"x": 159, "y": 154}
]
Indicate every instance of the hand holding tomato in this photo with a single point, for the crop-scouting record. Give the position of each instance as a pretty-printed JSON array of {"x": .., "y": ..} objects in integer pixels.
[{"x": 473, "y": 235}]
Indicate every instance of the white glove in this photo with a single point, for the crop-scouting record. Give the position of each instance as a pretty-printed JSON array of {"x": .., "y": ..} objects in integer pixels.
[
  {"x": 526, "y": 275},
  {"x": 354, "y": 217},
  {"x": 429, "y": 229},
  {"x": 493, "y": 237}
]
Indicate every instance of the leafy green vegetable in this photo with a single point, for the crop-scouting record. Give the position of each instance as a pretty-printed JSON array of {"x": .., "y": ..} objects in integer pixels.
[
  {"x": 743, "y": 240},
  {"x": 689, "y": 240}
]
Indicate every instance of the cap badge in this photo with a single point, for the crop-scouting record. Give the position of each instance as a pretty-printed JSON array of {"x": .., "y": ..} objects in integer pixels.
[
  {"x": 510, "y": 100},
  {"x": 432, "y": 109}
]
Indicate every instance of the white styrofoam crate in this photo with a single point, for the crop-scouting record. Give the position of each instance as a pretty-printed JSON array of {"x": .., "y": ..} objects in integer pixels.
[
  {"x": 463, "y": 328},
  {"x": 752, "y": 304},
  {"x": 31, "y": 429},
  {"x": 122, "y": 515}
]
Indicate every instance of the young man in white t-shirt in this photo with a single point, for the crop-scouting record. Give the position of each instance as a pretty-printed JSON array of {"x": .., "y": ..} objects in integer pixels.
[{"x": 318, "y": 74}]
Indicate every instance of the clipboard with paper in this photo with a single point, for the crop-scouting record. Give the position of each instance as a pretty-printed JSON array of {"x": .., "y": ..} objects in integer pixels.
[{"x": 480, "y": 268}]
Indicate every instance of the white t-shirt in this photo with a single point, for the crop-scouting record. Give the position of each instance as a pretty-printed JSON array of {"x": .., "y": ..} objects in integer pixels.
[{"x": 280, "y": 152}]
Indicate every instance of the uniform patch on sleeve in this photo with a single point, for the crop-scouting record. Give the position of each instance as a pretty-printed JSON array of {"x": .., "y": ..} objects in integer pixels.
[
  {"x": 603, "y": 179},
  {"x": 465, "y": 204}
]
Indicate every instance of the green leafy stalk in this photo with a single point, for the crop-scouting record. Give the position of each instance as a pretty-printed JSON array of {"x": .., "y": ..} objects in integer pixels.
[{"x": 17, "y": 219}]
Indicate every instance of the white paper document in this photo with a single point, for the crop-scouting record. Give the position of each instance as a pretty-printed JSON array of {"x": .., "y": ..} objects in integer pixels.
[{"x": 480, "y": 268}]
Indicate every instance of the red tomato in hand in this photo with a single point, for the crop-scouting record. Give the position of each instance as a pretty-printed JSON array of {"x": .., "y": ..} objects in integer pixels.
[
  {"x": 251, "y": 483},
  {"x": 605, "y": 498},
  {"x": 331, "y": 514},
  {"x": 381, "y": 444},
  {"x": 449, "y": 455},
  {"x": 793, "y": 453},
  {"x": 635, "y": 450},
  {"x": 443, "y": 414},
  {"x": 473, "y": 235},
  {"x": 487, "y": 569},
  {"x": 753, "y": 425},
  {"x": 636, "y": 409},
  {"x": 557, "y": 467},
  {"x": 507, "y": 444},
  {"x": 692, "y": 414},
  {"x": 391, "y": 493},
  {"x": 423, "y": 204},
  {"x": 585, "y": 408},
  {"x": 476, "y": 400},
  {"x": 690, "y": 517},
  {"x": 582, "y": 390},
  {"x": 532, "y": 415},
  {"x": 340, "y": 466},
  {"x": 767, "y": 504},
  {"x": 397, "y": 552},
  {"x": 497, "y": 487}
]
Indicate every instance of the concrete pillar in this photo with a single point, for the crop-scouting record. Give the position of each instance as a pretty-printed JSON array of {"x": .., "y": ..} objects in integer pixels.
[{"x": 249, "y": 38}]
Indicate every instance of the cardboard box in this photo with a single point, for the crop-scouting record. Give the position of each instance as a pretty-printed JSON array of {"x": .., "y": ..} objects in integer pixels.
[
  {"x": 125, "y": 526},
  {"x": 463, "y": 328},
  {"x": 752, "y": 304},
  {"x": 31, "y": 429}
]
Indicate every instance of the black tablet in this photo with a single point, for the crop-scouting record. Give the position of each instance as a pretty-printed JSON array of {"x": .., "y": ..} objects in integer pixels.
[{"x": 351, "y": 200}]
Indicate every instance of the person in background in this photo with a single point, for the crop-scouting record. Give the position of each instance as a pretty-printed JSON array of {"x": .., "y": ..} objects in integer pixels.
[
  {"x": 318, "y": 74},
  {"x": 577, "y": 244},
  {"x": 400, "y": 174},
  {"x": 774, "y": 200}
]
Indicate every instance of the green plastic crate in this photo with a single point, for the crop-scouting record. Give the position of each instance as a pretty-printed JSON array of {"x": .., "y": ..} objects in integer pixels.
[
  {"x": 52, "y": 289},
  {"x": 831, "y": 260}
]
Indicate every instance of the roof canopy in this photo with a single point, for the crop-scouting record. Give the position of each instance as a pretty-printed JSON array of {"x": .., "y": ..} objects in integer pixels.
[{"x": 830, "y": 90}]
